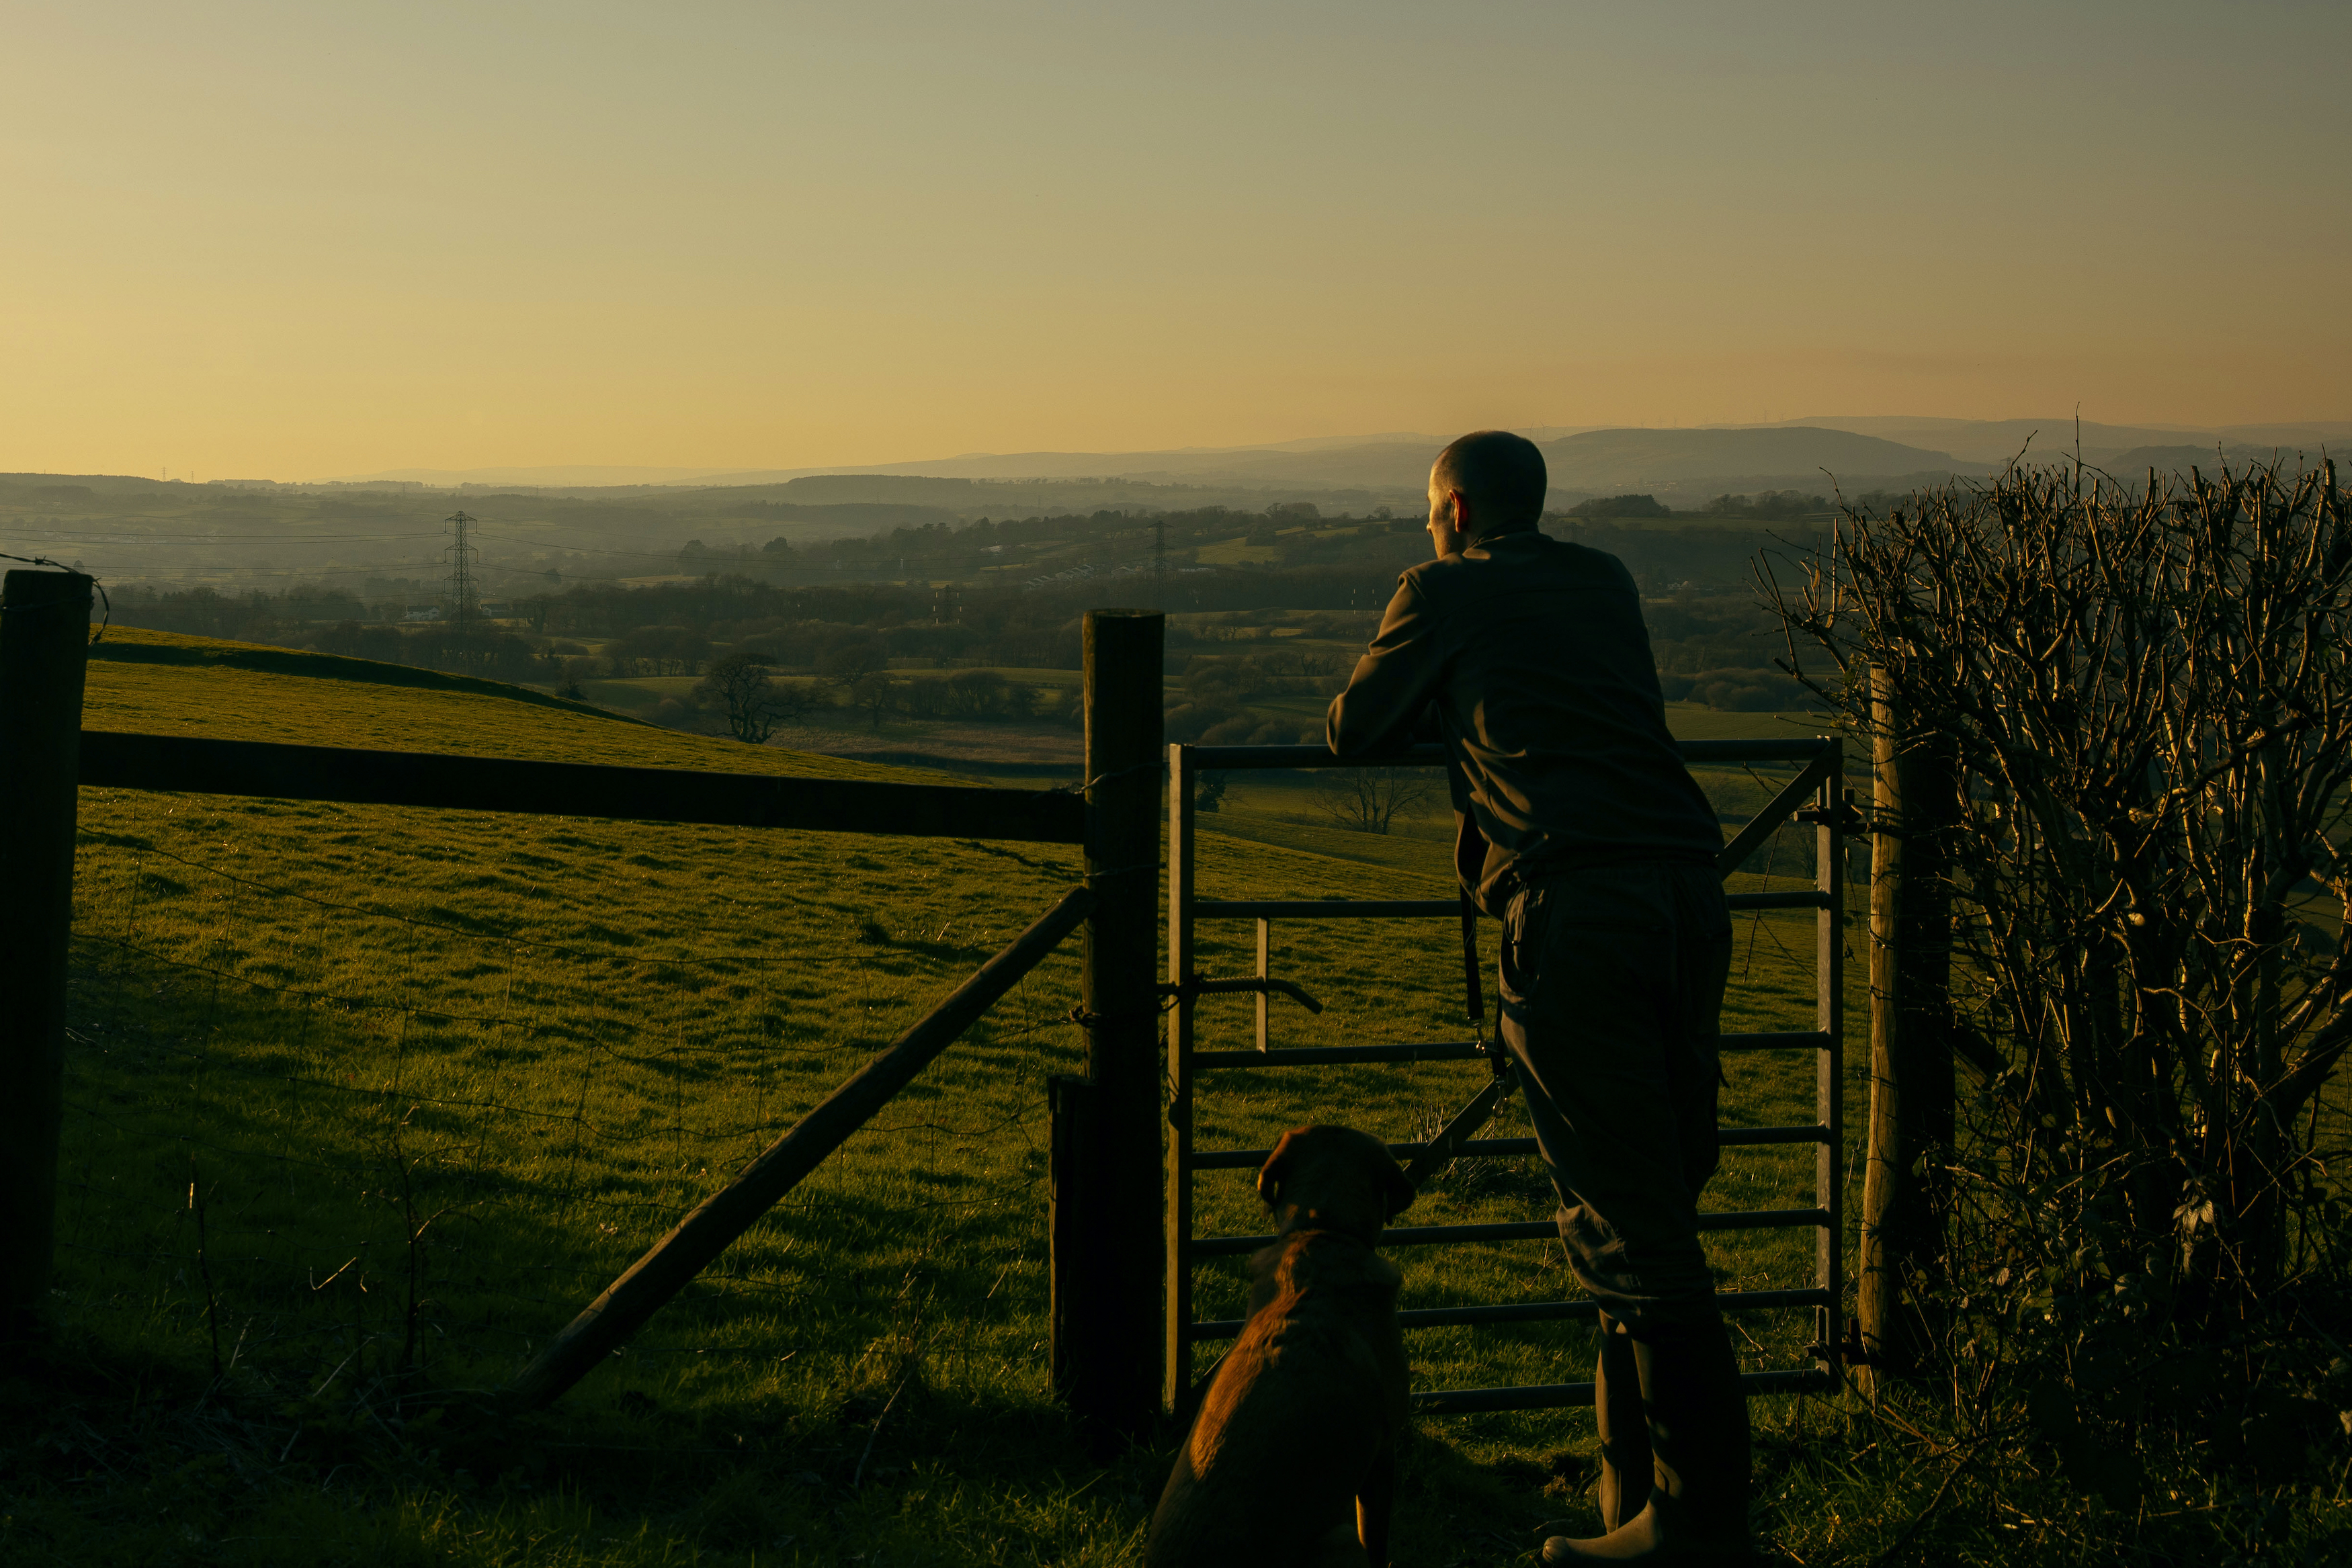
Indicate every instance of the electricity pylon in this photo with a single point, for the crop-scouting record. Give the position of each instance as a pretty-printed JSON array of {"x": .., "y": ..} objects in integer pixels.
[{"x": 465, "y": 604}]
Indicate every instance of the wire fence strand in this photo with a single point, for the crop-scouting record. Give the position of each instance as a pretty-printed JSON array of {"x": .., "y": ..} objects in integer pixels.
[{"x": 425, "y": 1142}]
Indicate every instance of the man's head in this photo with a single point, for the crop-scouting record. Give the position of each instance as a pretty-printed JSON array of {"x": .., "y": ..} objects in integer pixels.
[{"x": 1490, "y": 481}]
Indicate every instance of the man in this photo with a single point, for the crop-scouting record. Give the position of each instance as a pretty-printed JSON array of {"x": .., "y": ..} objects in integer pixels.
[{"x": 1584, "y": 833}]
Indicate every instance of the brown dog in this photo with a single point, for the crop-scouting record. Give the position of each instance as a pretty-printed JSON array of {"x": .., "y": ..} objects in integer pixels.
[{"x": 1304, "y": 1414}]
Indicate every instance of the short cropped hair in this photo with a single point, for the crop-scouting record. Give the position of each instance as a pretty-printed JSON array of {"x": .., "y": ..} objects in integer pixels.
[{"x": 1503, "y": 474}]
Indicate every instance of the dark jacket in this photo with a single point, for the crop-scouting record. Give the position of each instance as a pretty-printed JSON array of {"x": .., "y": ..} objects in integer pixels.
[{"x": 1535, "y": 655}]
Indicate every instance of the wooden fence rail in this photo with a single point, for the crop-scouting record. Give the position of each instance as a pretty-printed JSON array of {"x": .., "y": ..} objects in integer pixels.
[
  {"x": 718, "y": 1220},
  {"x": 285, "y": 772}
]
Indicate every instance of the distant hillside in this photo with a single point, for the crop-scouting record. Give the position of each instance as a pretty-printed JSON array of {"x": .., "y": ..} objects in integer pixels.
[
  {"x": 1870, "y": 448},
  {"x": 1703, "y": 461},
  {"x": 2133, "y": 466},
  {"x": 1998, "y": 441},
  {"x": 1389, "y": 470},
  {"x": 556, "y": 475},
  {"x": 1365, "y": 460},
  {"x": 141, "y": 645},
  {"x": 856, "y": 495}
]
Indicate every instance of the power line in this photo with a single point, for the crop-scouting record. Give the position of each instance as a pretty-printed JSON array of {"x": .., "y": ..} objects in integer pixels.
[
  {"x": 416, "y": 568},
  {"x": 125, "y": 535}
]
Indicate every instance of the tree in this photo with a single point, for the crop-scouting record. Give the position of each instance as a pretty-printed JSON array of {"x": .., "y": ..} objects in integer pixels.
[
  {"x": 852, "y": 659},
  {"x": 874, "y": 695},
  {"x": 926, "y": 697},
  {"x": 754, "y": 704},
  {"x": 658, "y": 650},
  {"x": 975, "y": 693},
  {"x": 1367, "y": 799}
]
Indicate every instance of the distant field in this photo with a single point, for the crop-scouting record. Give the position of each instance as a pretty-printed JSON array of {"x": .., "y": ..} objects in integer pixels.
[
  {"x": 552, "y": 1037},
  {"x": 1235, "y": 552}
]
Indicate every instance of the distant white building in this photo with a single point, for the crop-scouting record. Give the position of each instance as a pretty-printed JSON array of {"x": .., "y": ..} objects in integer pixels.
[{"x": 430, "y": 613}]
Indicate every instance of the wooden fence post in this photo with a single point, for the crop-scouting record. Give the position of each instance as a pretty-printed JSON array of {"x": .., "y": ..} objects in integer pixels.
[
  {"x": 44, "y": 638},
  {"x": 1911, "y": 1098},
  {"x": 1108, "y": 1262},
  {"x": 1070, "y": 1137}
]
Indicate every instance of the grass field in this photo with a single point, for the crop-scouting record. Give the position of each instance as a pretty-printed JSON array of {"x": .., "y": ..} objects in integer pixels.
[{"x": 364, "y": 1103}]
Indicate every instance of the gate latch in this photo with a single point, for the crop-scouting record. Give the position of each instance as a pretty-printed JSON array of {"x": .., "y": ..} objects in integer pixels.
[{"x": 1844, "y": 818}]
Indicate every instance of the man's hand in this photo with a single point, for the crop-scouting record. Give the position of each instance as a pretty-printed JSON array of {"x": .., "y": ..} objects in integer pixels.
[{"x": 1469, "y": 852}]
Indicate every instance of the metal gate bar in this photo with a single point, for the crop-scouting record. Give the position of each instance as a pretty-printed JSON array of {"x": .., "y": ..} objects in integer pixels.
[
  {"x": 1532, "y": 1311},
  {"x": 1820, "y": 780}
]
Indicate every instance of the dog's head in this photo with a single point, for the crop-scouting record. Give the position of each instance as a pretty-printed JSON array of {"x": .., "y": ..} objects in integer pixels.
[{"x": 1333, "y": 1178}]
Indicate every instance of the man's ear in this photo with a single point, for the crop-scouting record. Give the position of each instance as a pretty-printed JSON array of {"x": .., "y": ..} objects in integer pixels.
[
  {"x": 1401, "y": 1192},
  {"x": 1462, "y": 521},
  {"x": 1270, "y": 1175}
]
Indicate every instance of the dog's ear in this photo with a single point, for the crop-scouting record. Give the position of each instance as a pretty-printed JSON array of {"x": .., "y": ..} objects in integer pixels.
[
  {"x": 1401, "y": 1192},
  {"x": 1270, "y": 1175}
]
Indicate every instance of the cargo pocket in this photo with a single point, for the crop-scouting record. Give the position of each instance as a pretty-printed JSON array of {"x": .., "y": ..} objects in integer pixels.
[{"x": 1523, "y": 925}]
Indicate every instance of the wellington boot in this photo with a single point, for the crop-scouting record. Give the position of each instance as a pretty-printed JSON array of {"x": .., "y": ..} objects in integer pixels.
[
  {"x": 1624, "y": 1485},
  {"x": 1697, "y": 1417}
]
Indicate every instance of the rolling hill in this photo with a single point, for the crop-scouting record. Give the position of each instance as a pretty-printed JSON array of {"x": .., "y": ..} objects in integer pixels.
[{"x": 1777, "y": 457}]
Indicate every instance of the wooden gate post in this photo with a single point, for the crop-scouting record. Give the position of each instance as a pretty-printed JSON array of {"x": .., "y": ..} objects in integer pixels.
[
  {"x": 1107, "y": 1236},
  {"x": 1911, "y": 1098},
  {"x": 1887, "y": 1164},
  {"x": 44, "y": 638}
]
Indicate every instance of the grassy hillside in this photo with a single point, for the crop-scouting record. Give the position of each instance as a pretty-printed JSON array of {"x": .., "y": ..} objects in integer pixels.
[
  {"x": 364, "y": 1103},
  {"x": 161, "y": 683}
]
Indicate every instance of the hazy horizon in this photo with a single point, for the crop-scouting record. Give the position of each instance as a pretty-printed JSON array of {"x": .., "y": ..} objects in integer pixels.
[
  {"x": 1969, "y": 441},
  {"x": 262, "y": 241}
]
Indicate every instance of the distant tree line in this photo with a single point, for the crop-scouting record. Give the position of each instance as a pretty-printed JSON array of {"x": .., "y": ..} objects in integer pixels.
[
  {"x": 1777, "y": 506},
  {"x": 942, "y": 549},
  {"x": 1714, "y": 648},
  {"x": 487, "y": 651},
  {"x": 1707, "y": 634}
]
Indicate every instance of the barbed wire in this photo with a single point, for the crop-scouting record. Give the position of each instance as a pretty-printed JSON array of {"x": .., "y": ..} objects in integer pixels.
[{"x": 108, "y": 618}]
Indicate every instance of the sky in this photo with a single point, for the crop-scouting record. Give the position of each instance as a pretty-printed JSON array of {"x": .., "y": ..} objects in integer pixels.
[{"x": 294, "y": 241}]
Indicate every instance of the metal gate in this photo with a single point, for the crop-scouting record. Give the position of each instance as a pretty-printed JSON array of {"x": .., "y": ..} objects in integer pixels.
[{"x": 1816, "y": 795}]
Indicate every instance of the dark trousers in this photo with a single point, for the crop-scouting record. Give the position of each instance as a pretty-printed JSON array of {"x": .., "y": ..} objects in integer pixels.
[{"x": 1612, "y": 983}]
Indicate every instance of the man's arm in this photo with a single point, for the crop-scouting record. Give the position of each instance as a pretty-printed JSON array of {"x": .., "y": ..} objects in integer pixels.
[{"x": 1393, "y": 682}]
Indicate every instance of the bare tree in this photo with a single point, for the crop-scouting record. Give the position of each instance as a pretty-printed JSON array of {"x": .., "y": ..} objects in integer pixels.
[
  {"x": 755, "y": 704},
  {"x": 2144, "y": 703},
  {"x": 1367, "y": 799}
]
